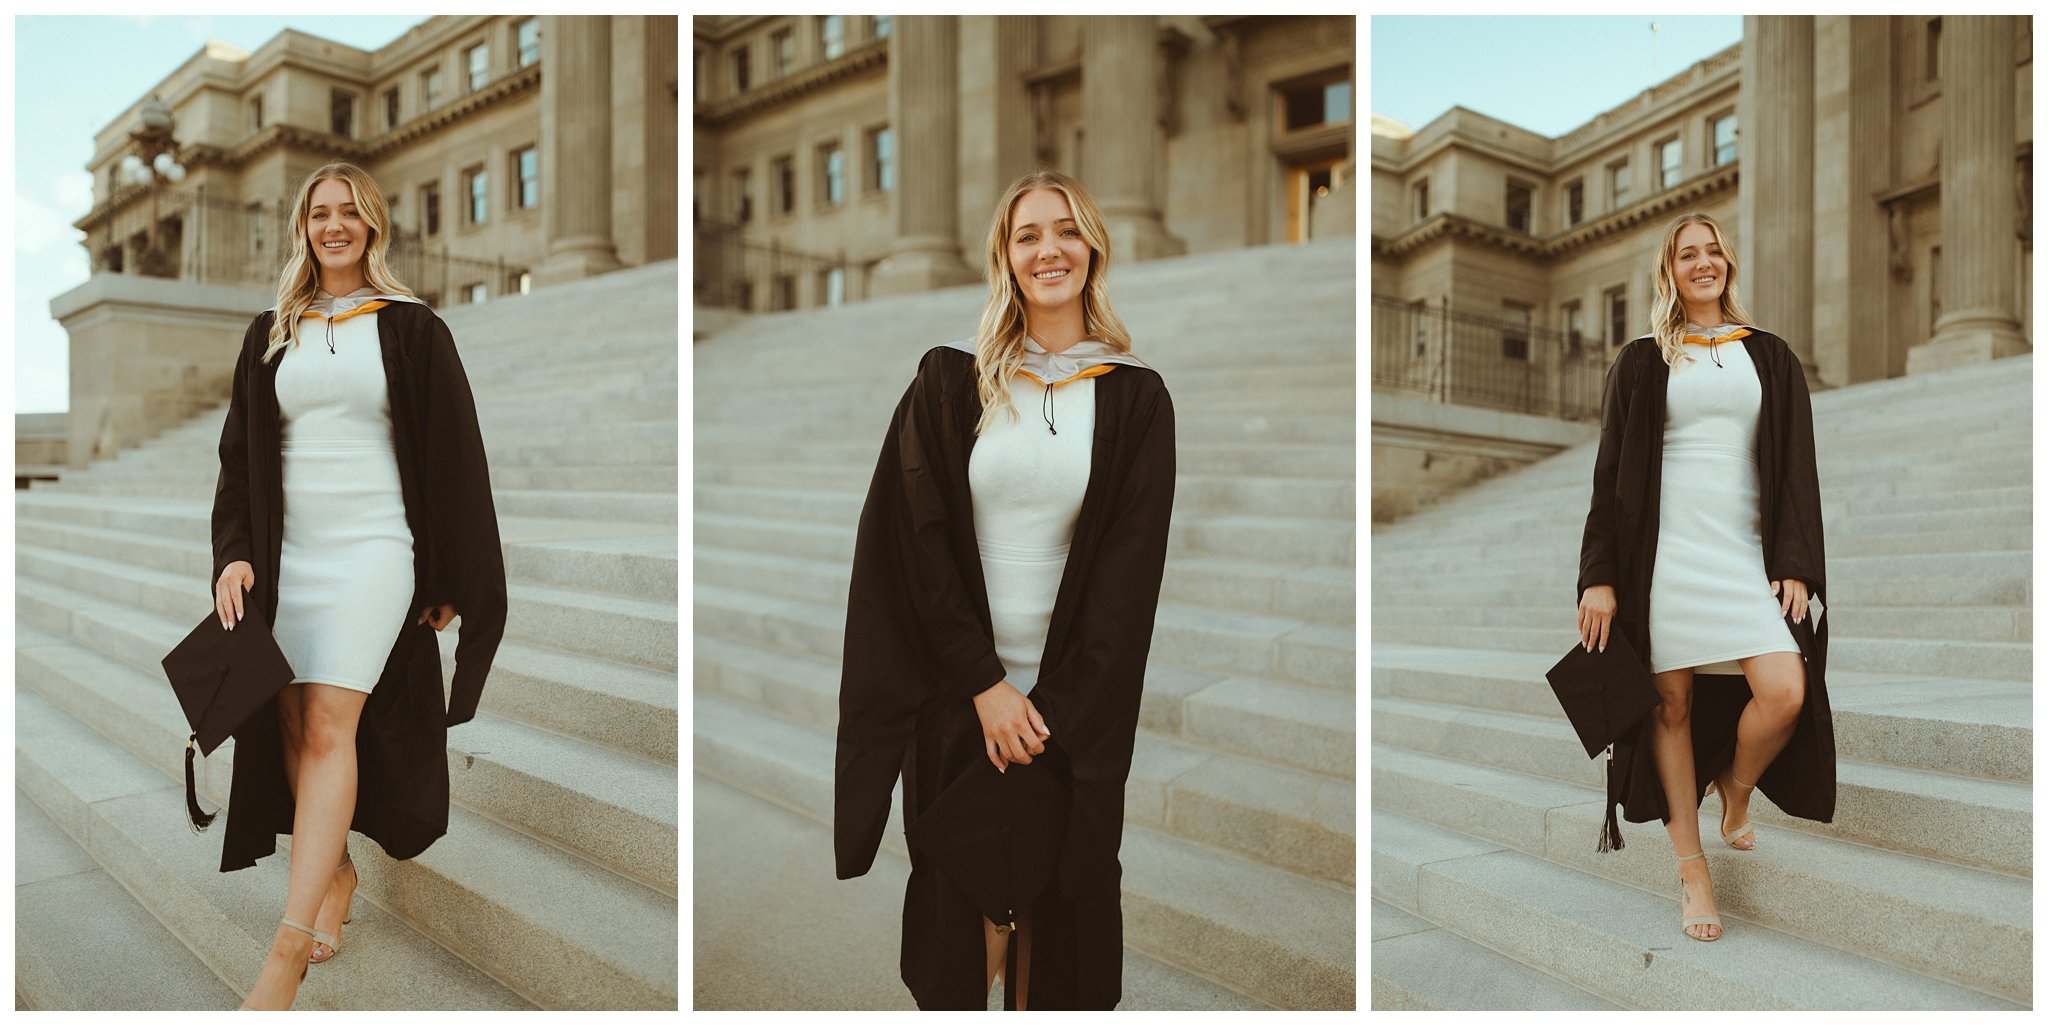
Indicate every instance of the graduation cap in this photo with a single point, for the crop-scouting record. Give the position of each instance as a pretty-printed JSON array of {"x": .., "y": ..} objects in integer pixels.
[
  {"x": 1603, "y": 692},
  {"x": 997, "y": 836},
  {"x": 222, "y": 677}
]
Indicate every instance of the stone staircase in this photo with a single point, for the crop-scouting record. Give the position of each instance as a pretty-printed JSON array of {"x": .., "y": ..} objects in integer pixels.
[
  {"x": 1487, "y": 892},
  {"x": 1238, "y": 845},
  {"x": 556, "y": 884}
]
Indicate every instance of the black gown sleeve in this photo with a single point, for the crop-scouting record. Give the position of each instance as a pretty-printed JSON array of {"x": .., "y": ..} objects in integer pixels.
[
  {"x": 467, "y": 563},
  {"x": 914, "y": 632},
  {"x": 1597, "y": 557},
  {"x": 1090, "y": 703},
  {"x": 231, "y": 491},
  {"x": 1798, "y": 550}
]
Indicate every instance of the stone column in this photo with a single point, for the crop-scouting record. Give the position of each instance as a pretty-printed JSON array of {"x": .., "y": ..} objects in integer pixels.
[
  {"x": 924, "y": 114},
  {"x": 996, "y": 140},
  {"x": 1120, "y": 107},
  {"x": 1774, "y": 126},
  {"x": 1979, "y": 295},
  {"x": 575, "y": 149},
  {"x": 1852, "y": 162}
]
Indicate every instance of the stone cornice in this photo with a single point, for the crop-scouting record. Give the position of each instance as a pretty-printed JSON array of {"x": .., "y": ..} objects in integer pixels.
[
  {"x": 1448, "y": 225},
  {"x": 495, "y": 93},
  {"x": 869, "y": 58}
]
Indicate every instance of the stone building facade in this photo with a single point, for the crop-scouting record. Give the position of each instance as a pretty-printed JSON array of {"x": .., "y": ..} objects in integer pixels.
[
  {"x": 840, "y": 157},
  {"x": 514, "y": 150},
  {"x": 1875, "y": 173}
]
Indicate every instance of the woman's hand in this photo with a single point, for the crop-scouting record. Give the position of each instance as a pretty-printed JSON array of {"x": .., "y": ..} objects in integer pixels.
[
  {"x": 1792, "y": 596},
  {"x": 1596, "y": 616},
  {"x": 1011, "y": 728},
  {"x": 235, "y": 578},
  {"x": 437, "y": 617}
]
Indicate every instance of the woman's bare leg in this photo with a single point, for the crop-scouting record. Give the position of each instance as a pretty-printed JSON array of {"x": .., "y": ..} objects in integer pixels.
[
  {"x": 326, "y": 803},
  {"x": 998, "y": 950},
  {"x": 291, "y": 718},
  {"x": 1777, "y": 686},
  {"x": 1671, "y": 744}
]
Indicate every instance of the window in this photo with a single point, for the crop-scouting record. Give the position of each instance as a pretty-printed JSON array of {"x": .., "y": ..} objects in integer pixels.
[
  {"x": 527, "y": 36},
  {"x": 1422, "y": 199},
  {"x": 1514, "y": 330},
  {"x": 880, "y": 25},
  {"x": 831, "y": 36},
  {"x": 1617, "y": 315},
  {"x": 526, "y": 171},
  {"x": 1575, "y": 202},
  {"x": 1518, "y": 201},
  {"x": 341, "y": 114},
  {"x": 522, "y": 283},
  {"x": 1724, "y": 139},
  {"x": 784, "y": 177},
  {"x": 831, "y": 175},
  {"x": 477, "y": 185},
  {"x": 475, "y": 293},
  {"x": 743, "y": 196},
  {"x": 391, "y": 107},
  {"x": 783, "y": 292},
  {"x": 781, "y": 53},
  {"x": 1670, "y": 155},
  {"x": 1617, "y": 184},
  {"x": 1934, "y": 49},
  {"x": 1317, "y": 103},
  {"x": 478, "y": 60},
  {"x": 881, "y": 160},
  {"x": 1574, "y": 325},
  {"x": 256, "y": 114},
  {"x": 832, "y": 286},
  {"x": 430, "y": 88},
  {"x": 430, "y": 209},
  {"x": 740, "y": 78}
]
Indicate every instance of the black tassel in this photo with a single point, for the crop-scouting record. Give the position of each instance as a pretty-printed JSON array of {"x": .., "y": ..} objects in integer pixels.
[
  {"x": 1610, "y": 834},
  {"x": 1044, "y": 410},
  {"x": 200, "y": 820}
]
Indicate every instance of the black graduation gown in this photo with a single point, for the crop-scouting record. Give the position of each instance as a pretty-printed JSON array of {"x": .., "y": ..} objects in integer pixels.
[
  {"x": 1620, "y": 549},
  {"x": 919, "y": 647},
  {"x": 401, "y": 740}
]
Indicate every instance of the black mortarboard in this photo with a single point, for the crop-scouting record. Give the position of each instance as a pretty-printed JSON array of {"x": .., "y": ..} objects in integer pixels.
[
  {"x": 221, "y": 678},
  {"x": 996, "y": 837},
  {"x": 1603, "y": 693}
]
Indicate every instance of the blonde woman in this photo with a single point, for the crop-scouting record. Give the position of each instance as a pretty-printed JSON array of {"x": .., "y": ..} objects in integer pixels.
[
  {"x": 1703, "y": 547},
  {"x": 354, "y": 508},
  {"x": 1005, "y": 578}
]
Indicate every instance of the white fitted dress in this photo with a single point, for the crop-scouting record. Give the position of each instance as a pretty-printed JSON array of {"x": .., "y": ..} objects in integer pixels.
[
  {"x": 1028, "y": 483},
  {"x": 1710, "y": 600},
  {"x": 345, "y": 583}
]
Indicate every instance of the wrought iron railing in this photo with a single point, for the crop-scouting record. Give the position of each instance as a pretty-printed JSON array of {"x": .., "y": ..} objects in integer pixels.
[
  {"x": 734, "y": 272},
  {"x": 1454, "y": 357},
  {"x": 234, "y": 241}
]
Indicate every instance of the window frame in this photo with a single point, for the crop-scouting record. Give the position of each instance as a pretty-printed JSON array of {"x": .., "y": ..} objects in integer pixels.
[
  {"x": 519, "y": 178},
  {"x": 473, "y": 178},
  {"x": 1618, "y": 175},
  {"x": 782, "y": 183},
  {"x": 1714, "y": 124},
  {"x": 474, "y": 77},
  {"x": 520, "y": 45},
  {"x": 1669, "y": 174},
  {"x": 879, "y": 172},
  {"x": 1615, "y": 301},
  {"x": 430, "y": 210},
  {"x": 826, "y": 38},
  {"x": 825, "y": 152},
  {"x": 1528, "y": 205}
]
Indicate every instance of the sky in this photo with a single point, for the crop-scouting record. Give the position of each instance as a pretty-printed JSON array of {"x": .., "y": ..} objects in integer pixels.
[
  {"x": 73, "y": 76},
  {"x": 1548, "y": 74}
]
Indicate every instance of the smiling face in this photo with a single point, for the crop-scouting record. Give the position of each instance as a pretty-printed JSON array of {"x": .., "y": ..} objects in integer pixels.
[
  {"x": 1048, "y": 257},
  {"x": 1699, "y": 268},
  {"x": 335, "y": 229}
]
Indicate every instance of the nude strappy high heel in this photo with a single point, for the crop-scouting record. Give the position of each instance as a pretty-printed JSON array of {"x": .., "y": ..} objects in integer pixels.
[
  {"x": 1686, "y": 922},
  {"x": 1730, "y": 836},
  {"x": 332, "y": 945},
  {"x": 318, "y": 938}
]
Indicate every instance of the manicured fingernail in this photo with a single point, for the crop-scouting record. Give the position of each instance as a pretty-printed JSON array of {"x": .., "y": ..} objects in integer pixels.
[{"x": 1603, "y": 648}]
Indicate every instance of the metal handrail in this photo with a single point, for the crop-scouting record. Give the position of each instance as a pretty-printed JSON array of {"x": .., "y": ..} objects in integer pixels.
[{"x": 1455, "y": 357}]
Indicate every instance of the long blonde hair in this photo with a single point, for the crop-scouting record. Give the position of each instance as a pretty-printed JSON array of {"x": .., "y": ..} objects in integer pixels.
[
  {"x": 1667, "y": 310},
  {"x": 999, "y": 341},
  {"x": 300, "y": 282}
]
